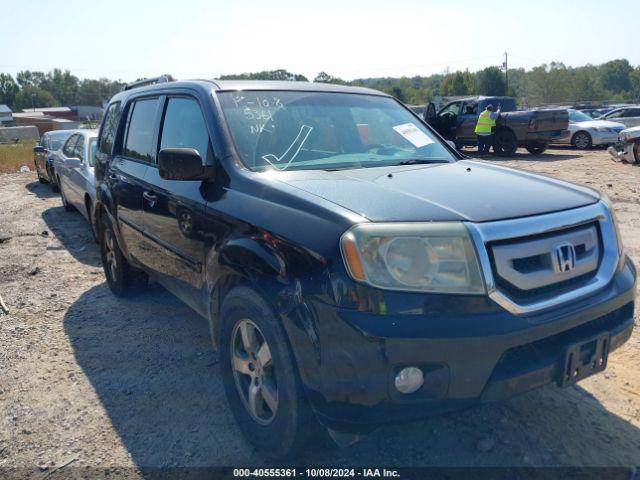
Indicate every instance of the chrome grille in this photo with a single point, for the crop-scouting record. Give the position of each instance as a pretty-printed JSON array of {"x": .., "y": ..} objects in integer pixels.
[
  {"x": 531, "y": 264},
  {"x": 569, "y": 286}
]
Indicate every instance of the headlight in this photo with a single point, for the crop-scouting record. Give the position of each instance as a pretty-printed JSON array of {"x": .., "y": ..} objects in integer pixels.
[
  {"x": 603, "y": 129},
  {"x": 417, "y": 257},
  {"x": 607, "y": 201}
]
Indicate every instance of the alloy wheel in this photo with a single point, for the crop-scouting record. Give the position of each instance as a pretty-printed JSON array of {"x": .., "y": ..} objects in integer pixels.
[
  {"x": 253, "y": 371},
  {"x": 581, "y": 141}
]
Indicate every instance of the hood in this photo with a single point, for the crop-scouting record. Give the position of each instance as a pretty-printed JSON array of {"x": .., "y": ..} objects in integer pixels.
[
  {"x": 600, "y": 124},
  {"x": 465, "y": 190},
  {"x": 632, "y": 133}
]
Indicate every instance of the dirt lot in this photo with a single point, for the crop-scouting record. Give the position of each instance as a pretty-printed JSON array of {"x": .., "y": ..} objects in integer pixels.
[{"x": 99, "y": 382}]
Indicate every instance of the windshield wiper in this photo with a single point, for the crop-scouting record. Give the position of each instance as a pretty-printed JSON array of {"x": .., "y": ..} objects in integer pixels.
[{"x": 419, "y": 161}]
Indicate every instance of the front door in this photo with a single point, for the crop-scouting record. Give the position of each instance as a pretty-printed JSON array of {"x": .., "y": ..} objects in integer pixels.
[
  {"x": 467, "y": 121},
  {"x": 174, "y": 209}
]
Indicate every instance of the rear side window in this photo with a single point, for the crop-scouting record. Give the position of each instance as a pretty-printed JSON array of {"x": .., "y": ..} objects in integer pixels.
[
  {"x": 78, "y": 148},
  {"x": 139, "y": 142},
  {"x": 109, "y": 128},
  {"x": 184, "y": 126}
]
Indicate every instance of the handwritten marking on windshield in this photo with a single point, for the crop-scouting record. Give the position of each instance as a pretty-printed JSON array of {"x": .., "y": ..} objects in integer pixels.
[{"x": 292, "y": 152}]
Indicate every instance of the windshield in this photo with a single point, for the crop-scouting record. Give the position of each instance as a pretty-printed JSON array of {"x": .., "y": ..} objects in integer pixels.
[
  {"x": 576, "y": 116},
  {"x": 286, "y": 130},
  {"x": 58, "y": 139}
]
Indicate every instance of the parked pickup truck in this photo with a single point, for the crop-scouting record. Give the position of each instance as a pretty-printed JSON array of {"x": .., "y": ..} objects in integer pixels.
[
  {"x": 531, "y": 129},
  {"x": 354, "y": 268}
]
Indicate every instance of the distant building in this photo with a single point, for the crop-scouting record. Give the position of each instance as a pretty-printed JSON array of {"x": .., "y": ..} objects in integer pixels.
[
  {"x": 6, "y": 115},
  {"x": 78, "y": 113},
  {"x": 44, "y": 122}
]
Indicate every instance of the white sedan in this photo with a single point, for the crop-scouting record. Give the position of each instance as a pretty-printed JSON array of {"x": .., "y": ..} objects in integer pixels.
[{"x": 585, "y": 132}]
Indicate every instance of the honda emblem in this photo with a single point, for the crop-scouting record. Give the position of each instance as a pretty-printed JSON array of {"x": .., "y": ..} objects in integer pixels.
[{"x": 564, "y": 258}]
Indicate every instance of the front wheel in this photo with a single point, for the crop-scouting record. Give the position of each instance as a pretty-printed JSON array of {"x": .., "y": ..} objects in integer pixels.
[
  {"x": 582, "y": 141},
  {"x": 636, "y": 151},
  {"x": 260, "y": 377},
  {"x": 505, "y": 143},
  {"x": 123, "y": 279},
  {"x": 536, "y": 148}
]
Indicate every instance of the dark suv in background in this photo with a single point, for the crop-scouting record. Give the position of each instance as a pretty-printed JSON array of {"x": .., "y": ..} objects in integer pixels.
[{"x": 353, "y": 267}]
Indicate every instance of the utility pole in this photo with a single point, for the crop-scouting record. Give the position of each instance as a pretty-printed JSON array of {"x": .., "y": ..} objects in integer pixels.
[{"x": 505, "y": 65}]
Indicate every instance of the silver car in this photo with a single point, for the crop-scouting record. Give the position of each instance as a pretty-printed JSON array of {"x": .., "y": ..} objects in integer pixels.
[
  {"x": 585, "y": 132},
  {"x": 629, "y": 116},
  {"x": 74, "y": 169}
]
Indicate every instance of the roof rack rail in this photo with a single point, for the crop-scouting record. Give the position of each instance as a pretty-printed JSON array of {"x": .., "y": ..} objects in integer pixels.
[{"x": 147, "y": 81}]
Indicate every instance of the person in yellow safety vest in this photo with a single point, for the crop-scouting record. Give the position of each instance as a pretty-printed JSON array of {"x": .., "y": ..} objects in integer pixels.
[{"x": 484, "y": 129}]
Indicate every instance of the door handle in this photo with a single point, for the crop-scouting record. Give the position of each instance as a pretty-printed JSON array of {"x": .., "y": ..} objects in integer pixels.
[
  {"x": 113, "y": 176},
  {"x": 150, "y": 197}
]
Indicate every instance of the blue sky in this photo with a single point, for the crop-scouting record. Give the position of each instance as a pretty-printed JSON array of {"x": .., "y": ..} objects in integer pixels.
[{"x": 196, "y": 38}]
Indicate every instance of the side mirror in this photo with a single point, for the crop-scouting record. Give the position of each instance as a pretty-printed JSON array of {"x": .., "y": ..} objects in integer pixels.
[
  {"x": 73, "y": 162},
  {"x": 452, "y": 144},
  {"x": 39, "y": 149},
  {"x": 182, "y": 164}
]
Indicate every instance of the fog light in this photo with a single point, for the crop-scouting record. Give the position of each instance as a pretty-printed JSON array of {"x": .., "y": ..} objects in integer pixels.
[{"x": 409, "y": 380}]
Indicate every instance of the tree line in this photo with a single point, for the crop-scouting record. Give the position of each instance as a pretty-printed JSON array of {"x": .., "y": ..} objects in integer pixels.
[
  {"x": 616, "y": 80},
  {"x": 31, "y": 89}
]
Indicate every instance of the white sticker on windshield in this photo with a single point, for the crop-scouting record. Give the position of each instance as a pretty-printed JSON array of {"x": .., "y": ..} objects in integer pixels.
[{"x": 413, "y": 134}]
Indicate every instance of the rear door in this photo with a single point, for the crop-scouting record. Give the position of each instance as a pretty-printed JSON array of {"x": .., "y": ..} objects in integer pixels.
[
  {"x": 128, "y": 168},
  {"x": 174, "y": 209}
]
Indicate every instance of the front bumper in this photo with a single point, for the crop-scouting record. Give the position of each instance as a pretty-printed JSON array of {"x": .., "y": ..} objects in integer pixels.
[
  {"x": 467, "y": 357},
  {"x": 623, "y": 152},
  {"x": 603, "y": 138}
]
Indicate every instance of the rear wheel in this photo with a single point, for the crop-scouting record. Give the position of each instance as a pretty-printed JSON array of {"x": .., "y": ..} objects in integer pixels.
[
  {"x": 582, "y": 141},
  {"x": 505, "y": 143},
  {"x": 536, "y": 148},
  {"x": 260, "y": 377},
  {"x": 123, "y": 279},
  {"x": 636, "y": 151}
]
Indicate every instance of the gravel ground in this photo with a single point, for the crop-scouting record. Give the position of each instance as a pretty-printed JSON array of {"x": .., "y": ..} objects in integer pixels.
[{"x": 87, "y": 380}]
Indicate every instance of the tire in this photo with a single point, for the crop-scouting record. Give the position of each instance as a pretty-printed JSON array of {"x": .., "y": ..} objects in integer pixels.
[
  {"x": 67, "y": 206},
  {"x": 40, "y": 179},
  {"x": 636, "y": 151},
  {"x": 281, "y": 421},
  {"x": 54, "y": 184},
  {"x": 582, "y": 140},
  {"x": 123, "y": 279},
  {"x": 94, "y": 230},
  {"x": 536, "y": 148},
  {"x": 505, "y": 143}
]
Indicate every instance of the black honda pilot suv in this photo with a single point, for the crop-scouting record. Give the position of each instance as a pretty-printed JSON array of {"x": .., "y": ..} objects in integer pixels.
[{"x": 353, "y": 267}]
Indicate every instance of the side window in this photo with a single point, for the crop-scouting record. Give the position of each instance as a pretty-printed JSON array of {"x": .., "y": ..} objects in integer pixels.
[
  {"x": 184, "y": 126},
  {"x": 453, "y": 108},
  {"x": 109, "y": 128},
  {"x": 78, "y": 149},
  {"x": 139, "y": 142},
  {"x": 633, "y": 112},
  {"x": 617, "y": 114},
  {"x": 69, "y": 145}
]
